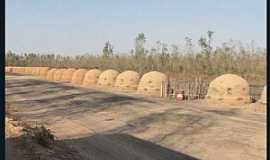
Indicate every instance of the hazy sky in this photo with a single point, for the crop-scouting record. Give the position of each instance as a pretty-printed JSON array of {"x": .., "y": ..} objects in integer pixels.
[{"x": 82, "y": 26}]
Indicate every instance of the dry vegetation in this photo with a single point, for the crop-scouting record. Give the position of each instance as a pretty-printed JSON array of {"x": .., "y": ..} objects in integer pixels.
[
  {"x": 31, "y": 143},
  {"x": 177, "y": 62}
]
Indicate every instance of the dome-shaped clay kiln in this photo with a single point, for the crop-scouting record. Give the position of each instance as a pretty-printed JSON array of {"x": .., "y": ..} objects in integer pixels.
[
  {"x": 127, "y": 80},
  {"x": 150, "y": 83},
  {"x": 91, "y": 77},
  {"x": 78, "y": 76},
  {"x": 107, "y": 78},
  {"x": 228, "y": 89}
]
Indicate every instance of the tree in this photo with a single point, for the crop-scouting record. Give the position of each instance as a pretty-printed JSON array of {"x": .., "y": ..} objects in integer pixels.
[
  {"x": 139, "y": 46},
  {"x": 189, "y": 45},
  {"x": 175, "y": 50},
  {"x": 205, "y": 43},
  {"x": 206, "y": 46},
  {"x": 140, "y": 53},
  {"x": 150, "y": 58},
  {"x": 108, "y": 50},
  {"x": 158, "y": 46},
  {"x": 164, "y": 57}
]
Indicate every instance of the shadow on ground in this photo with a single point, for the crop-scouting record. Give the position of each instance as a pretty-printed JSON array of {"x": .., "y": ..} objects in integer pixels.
[
  {"x": 47, "y": 100},
  {"x": 124, "y": 147},
  {"x": 99, "y": 146}
]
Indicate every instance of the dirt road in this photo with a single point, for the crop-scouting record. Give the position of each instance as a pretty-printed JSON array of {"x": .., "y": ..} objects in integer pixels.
[{"x": 106, "y": 125}]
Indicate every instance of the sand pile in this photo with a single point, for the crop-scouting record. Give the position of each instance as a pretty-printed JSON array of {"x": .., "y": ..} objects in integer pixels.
[
  {"x": 228, "y": 89},
  {"x": 78, "y": 76},
  {"x": 91, "y": 77},
  {"x": 127, "y": 80},
  {"x": 107, "y": 78},
  {"x": 150, "y": 83}
]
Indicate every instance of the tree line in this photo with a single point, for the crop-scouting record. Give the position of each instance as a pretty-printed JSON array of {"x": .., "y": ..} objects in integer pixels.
[{"x": 180, "y": 62}]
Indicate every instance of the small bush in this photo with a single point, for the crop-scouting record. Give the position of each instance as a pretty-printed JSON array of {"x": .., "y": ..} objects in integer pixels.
[{"x": 42, "y": 135}]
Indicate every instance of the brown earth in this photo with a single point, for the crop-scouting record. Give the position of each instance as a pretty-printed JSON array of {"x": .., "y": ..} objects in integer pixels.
[
  {"x": 111, "y": 125},
  {"x": 22, "y": 146}
]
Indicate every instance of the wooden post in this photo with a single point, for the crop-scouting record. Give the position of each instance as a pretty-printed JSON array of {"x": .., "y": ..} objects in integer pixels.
[
  {"x": 196, "y": 88},
  {"x": 161, "y": 89},
  {"x": 165, "y": 88},
  {"x": 188, "y": 90}
]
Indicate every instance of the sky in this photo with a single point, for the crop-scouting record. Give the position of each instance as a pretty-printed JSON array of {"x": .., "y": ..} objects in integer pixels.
[{"x": 72, "y": 27}]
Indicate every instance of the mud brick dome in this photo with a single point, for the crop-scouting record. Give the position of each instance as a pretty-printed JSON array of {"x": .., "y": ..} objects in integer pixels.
[
  {"x": 107, "y": 78},
  {"x": 91, "y": 77},
  {"x": 150, "y": 83},
  {"x": 127, "y": 80},
  {"x": 228, "y": 89},
  {"x": 78, "y": 76}
]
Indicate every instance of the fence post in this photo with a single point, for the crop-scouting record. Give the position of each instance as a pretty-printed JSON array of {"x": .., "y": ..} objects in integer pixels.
[
  {"x": 165, "y": 88},
  {"x": 161, "y": 89},
  {"x": 188, "y": 90}
]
